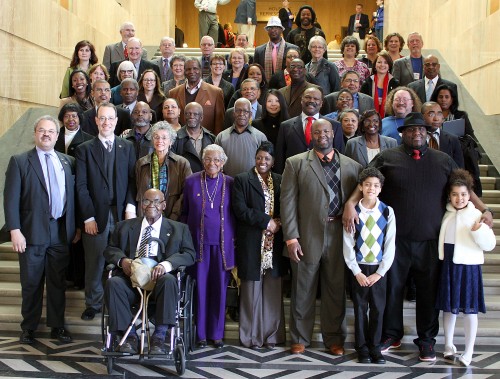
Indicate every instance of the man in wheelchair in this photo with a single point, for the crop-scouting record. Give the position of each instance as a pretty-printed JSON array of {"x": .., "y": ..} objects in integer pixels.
[{"x": 128, "y": 242}]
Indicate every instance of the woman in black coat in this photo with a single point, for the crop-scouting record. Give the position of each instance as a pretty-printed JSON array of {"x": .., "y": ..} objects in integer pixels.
[{"x": 259, "y": 246}]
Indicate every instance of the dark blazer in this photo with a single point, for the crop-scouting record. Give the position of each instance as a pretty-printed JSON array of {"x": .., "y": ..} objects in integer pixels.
[
  {"x": 228, "y": 77},
  {"x": 89, "y": 125},
  {"x": 171, "y": 84},
  {"x": 292, "y": 141},
  {"x": 251, "y": 220},
  {"x": 278, "y": 81},
  {"x": 403, "y": 71},
  {"x": 229, "y": 117},
  {"x": 246, "y": 9},
  {"x": 226, "y": 87},
  {"x": 143, "y": 66},
  {"x": 367, "y": 86},
  {"x": 114, "y": 53},
  {"x": 330, "y": 102},
  {"x": 179, "y": 250},
  {"x": 259, "y": 56},
  {"x": 450, "y": 144},
  {"x": 327, "y": 76},
  {"x": 363, "y": 20},
  {"x": 294, "y": 101},
  {"x": 79, "y": 138},
  {"x": 183, "y": 147},
  {"x": 419, "y": 87},
  {"x": 156, "y": 104},
  {"x": 356, "y": 148},
  {"x": 159, "y": 62},
  {"x": 26, "y": 197},
  {"x": 92, "y": 182}
]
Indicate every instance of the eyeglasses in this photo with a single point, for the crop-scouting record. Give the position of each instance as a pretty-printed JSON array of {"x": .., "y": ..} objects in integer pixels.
[
  {"x": 214, "y": 160},
  {"x": 317, "y": 47},
  {"x": 429, "y": 64},
  {"x": 70, "y": 115},
  {"x": 155, "y": 202},
  {"x": 102, "y": 90},
  {"x": 403, "y": 100},
  {"x": 345, "y": 99},
  {"x": 50, "y": 132},
  {"x": 149, "y": 80},
  {"x": 163, "y": 138},
  {"x": 104, "y": 118},
  {"x": 351, "y": 80},
  {"x": 217, "y": 64}
]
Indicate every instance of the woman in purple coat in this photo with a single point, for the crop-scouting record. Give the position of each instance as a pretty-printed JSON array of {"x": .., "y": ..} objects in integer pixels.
[{"x": 207, "y": 211}]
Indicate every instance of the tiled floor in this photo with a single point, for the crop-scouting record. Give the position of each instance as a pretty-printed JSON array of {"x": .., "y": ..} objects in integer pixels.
[{"x": 82, "y": 359}]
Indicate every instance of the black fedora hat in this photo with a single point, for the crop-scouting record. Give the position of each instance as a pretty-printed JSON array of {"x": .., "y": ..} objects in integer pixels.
[{"x": 413, "y": 119}]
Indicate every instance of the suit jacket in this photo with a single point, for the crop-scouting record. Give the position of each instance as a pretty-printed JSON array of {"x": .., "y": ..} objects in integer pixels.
[
  {"x": 251, "y": 220},
  {"x": 159, "y": 62},
  {"x": 92, "y": 181},
  {"x": 305, "y": 199},
  {"x": 89, "y": 125},
  {"x": 229, "y": 117},
  {"x": 367, "y": 86},
  {"x": 114, "y": 53},
  {"x": 327, "y": 76},
  {"x": 228, "y": 77},
  {"x": 211, "y": 98},
  {"x": 178, "y": 169},
  {"x": 365, "y": 24},
  {"x": 179, "y": 250},
  {"x": 246, "y": 9},
  {"x": 26, "y": 197},
  {"x": 356, "y": 148},
  {"x": 183, "y": 147},
  {"x": 226, "y": 87},
  {"x": 403, "y": 71},
  {"x": 292, "y": 141},
  {"x": 259, "y": 55},
  {"x": 450, "y": 144},
  {"x": 143, "y": 66},
  {"x": 365, "y": 102},
  {"x": 419, "y": 87},
  {"x": 278, "y": 81},
  {"x": 294, "y": 102},
  {"x": 78, "y": 139}
]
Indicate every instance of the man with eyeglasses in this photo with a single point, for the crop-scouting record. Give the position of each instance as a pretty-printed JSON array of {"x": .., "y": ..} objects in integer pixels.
[
  {"x": 293, "y": 92},
  {"x": 207, "y": 46},
  {"x": 410, "y": 68},
  {"x": 241, "y": 140},
  {"x": 403, "y": 101},
  {"x": 281, "y": 78},
  {"x": 193, "y": 138},
  {"x": 426, "y": 86},
  {"x": 140, "y": 133},
  {"x": 39, "y": 209},
  {"x": 249, "y": 90},
  {"x": 101, "y": 93},
  {"x": 116, "y": 52},
  {"x": 106, "y": 192},
  {"x": 128, "y": 242},
  {"x": 167, "y": 50},
  {"x": 350, "y": 80}
]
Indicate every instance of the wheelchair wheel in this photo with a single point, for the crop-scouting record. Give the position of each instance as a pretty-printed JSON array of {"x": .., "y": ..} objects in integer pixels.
[
  {"x": 104, "y": 323},
  {"x": 180, "y": 359},
  {"x": 109, "y": 365},
  {"x": 189, "y": 321}
]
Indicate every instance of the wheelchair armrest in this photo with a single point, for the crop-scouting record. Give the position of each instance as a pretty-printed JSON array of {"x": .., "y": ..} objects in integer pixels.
[
  {"x": 181, "y": 269},
  {"x": 110, "y": 267}
]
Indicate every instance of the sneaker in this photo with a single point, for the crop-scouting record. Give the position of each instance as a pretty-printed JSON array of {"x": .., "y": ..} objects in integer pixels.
[
  {"x": 427, "y": 353},
  {"x": 388, "y": 344},
  {"x": 449, "y": 352}
]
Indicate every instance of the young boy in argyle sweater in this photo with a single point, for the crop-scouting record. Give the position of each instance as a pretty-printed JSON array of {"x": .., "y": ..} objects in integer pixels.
[{"x": 369, "y": 253}]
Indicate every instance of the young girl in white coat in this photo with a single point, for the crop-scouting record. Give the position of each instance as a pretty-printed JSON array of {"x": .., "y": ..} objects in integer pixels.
[{"x": 462, "y": 240}]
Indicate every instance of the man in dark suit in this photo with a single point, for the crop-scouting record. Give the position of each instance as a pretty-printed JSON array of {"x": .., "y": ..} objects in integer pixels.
[
  {"x": 167, "y": 50},
  {"x": 101, "y": 92},
  {"x": 358, "y": 24},
  {"x": 426, "y": 86},
  {"x": 39, "y": 204},
  {"x": 125, "y": 245},
  {"x": 210, "y": 97},
  {"x": 314, "y": 187},
  {"x": 410, "y": 68},
  {"x": 294, "y": 136},
  {"x": 350, "y": 80},
  {"x": 105, "y": 187},
  {"x": 249, "y": 90},
  {"x": 439, "y": 139},
  {"x": 134, "y": 50},
  {"x": 116, "y": 51},
  {"x": 193, "y": 138}
]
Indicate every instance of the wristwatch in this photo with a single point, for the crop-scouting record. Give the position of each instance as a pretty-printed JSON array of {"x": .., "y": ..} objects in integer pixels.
[{"x": 488, "y": 210}]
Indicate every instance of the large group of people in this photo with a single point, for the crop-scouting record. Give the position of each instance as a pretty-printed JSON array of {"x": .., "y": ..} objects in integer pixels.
[{"x": 270, "y": 168}]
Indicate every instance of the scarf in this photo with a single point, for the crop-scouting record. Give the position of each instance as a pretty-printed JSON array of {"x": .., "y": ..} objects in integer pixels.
[
  {"x": 268, "y": 58},
  {"x": 159, "y": 175},
  {"x": 267, "y": 242},
  {"x": 380, "y": 103}
]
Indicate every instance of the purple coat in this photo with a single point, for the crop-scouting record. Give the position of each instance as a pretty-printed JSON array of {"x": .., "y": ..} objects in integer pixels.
[{"x": 192, "y": 214}]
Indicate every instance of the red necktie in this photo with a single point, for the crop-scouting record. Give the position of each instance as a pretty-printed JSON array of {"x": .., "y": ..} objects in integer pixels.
[
  {"x": 416, "y": 155},
  {"x": 125, "y": 52},
  {"x": 308, "y": 130}
]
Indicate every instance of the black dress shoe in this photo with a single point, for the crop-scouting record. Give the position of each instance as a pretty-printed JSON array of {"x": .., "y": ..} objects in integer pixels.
[
  {"x": 218, "y": 344},
  {"x": 157, "y": 347},
  {"x": 377, "y": 357},
  {"x": 27, "y": 337},
  {"x": 202, "y": 344},
  {"x": 364, "y": 357},
  {"x": 89, "y": 314},
  {"x": 61, "y": 334},
  {"x": 129, "y": 346}
]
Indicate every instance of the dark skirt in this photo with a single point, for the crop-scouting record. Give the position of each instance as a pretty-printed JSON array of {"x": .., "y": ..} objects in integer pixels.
[{"x": 461, "y": 286}]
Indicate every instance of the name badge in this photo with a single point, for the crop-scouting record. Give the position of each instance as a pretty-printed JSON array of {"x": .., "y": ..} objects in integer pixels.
[{"x": 416, "y": 76}]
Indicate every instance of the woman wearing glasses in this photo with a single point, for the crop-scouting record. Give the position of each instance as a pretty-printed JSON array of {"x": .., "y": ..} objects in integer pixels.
[
  {"x": 163, "y": 170},
  {"x": 150, "y": 91}
]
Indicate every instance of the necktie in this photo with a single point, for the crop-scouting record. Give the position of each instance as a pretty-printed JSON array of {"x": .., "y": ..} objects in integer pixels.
[
  {"x": 433, "y": 143},
  {"x": 275, "y": 57},
  {"x": 416, "y": 155},
  {"x": 55, "y": 196},
  {"x": 109, "y": 145},
  {"x": 325, "y": 158},
  {"x": 165, "y": 69},
  {"x": 430, "y": 89},
  {"x": 308, "y": 130},
  {"x": 125, "y": 53},
  {"x": 144, "y": 245}
]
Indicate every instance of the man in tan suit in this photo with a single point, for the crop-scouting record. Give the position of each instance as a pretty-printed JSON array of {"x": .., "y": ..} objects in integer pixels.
[
  {"x": 314, "y": 187},
  {"x": 210, "y": 97}
]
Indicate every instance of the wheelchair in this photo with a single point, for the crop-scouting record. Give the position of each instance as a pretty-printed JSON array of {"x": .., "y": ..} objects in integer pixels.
[{"x": 182, "y": 335}]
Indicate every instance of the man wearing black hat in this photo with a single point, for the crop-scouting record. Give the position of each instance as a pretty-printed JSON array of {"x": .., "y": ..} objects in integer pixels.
[
  {"x": 306, "y": 17},
  {"x": 415, "y": 183}
]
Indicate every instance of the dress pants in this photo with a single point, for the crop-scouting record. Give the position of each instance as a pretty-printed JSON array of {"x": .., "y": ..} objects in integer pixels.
[
  {"x": 47, "y": 263},
  {"x": 120, "y": 296},
  {"x": 420, "y": 258},
  {"x": 305, "y": 276},
  {"x": 208, "y": 25},
  {"x": 211, "y": 285},
  {"x": 94, "y": 262}
]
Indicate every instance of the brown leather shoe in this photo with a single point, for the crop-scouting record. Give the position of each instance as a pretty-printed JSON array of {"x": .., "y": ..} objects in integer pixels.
[
  {"x": 337, "y": 350},
  {"x": 297, "y": 348}
]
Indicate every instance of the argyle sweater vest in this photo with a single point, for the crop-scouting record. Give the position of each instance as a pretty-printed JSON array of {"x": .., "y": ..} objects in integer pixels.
[{"x": 370, "y": 234}]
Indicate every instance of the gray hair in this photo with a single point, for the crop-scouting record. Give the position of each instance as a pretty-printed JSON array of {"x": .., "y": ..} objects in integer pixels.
[
  {"x": 164, "y": 125},
  {"x": 48, "y": 118},
  {"x": 217, "y": 149},
  {"x": 319, "y": 39},
  {"x": 125, "y": 66},
  {"x": 169, "y": 39},
  {"x": 125, "y": 24},
  {"x": 346, "y": 111},
  {"x": 130, "y": 80}
]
